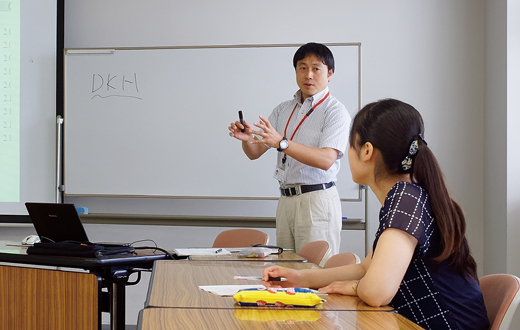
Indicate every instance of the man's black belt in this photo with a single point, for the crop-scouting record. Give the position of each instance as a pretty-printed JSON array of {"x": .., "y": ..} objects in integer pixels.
[{"x": 298, "y": 190}]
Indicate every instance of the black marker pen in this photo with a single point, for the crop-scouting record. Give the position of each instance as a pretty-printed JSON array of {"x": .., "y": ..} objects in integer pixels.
[{"x": 241, "y": 117}]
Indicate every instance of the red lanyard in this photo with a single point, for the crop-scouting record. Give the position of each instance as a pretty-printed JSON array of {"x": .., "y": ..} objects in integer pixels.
[
  {"x": 306, "y": 115},
  {"x": 284, "y": 159}
]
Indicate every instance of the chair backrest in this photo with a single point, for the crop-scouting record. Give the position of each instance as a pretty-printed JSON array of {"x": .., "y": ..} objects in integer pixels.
[
  {"x": 342, "y": 259},
  {"x": 501, "y": 296},
  {"x": 316, "y": 252},
  {"x": 243, "y": 237}
]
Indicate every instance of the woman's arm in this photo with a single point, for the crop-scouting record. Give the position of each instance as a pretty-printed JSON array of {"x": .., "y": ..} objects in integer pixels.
[
  {"x": 384, "y": 272},
  {"x": 375, "y": 280},
  {"x": 312, "y": 278},
  {"x": 392, "y": 257}
]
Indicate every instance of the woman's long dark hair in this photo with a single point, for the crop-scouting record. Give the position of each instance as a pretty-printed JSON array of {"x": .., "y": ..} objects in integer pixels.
[{"x": 391, "y": 126}]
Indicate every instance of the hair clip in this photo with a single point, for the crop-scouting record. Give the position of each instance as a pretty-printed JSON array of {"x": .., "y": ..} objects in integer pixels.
[
  {"x": 407, "y": 162},
  {"x": 414, "y": 147}
]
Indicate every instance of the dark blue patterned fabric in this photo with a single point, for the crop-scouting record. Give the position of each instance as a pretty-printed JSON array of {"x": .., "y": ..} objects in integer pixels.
[{"x": 432, "y": 297}]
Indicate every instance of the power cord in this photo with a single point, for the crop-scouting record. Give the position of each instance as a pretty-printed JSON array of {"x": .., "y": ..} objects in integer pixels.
[{"x": 155, "y": 247}]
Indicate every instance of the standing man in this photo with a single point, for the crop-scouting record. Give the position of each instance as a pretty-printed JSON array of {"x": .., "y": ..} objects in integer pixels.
[{"x": 310, "y": 133}]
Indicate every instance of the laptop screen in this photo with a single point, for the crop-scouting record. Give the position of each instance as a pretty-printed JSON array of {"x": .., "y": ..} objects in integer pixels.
[{"x": 56, "y": 222}]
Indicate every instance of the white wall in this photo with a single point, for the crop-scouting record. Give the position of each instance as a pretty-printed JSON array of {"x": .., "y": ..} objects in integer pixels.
[
  {"x": 428, "y": 53},
  {"x": 513, "y": 135},
  {"x": 495, "y": 146},
  {"x": 513, "y": 140},
  {"x": 502, "y": 173}
]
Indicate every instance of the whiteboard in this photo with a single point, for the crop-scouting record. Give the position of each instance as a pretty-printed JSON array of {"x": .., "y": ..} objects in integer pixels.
[{"x": 153, "y": 121}]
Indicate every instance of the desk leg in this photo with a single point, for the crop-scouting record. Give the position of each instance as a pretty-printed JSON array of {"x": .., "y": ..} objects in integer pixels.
[
  {"x": 118, "y": 295},
  {"x": 117, "y": 312},
  {"x": 116, "y": 282}
]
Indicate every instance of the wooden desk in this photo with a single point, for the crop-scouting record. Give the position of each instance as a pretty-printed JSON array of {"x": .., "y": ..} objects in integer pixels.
[
  {"x": 114, "y": 272},
  {"x": 229, "y": 319},
  {"x": 48, "y": 299},
  {"x": 176, "y": 284},
  {"x": 284, "y": 256}
]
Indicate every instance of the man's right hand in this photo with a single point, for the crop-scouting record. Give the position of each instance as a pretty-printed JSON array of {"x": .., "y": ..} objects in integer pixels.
[{"x": 235, "y": 130}]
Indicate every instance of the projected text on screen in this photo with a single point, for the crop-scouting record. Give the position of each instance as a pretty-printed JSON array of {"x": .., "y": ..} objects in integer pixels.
[{"x": 10, "y": 101}]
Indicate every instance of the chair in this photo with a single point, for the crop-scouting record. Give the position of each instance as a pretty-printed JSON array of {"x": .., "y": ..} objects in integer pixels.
[
  {"x": 342, "y": 259},
  {"x": 316, "y": 252},
  {"x": 243, "y": 237},
  {"x": 501, "y": 296}
]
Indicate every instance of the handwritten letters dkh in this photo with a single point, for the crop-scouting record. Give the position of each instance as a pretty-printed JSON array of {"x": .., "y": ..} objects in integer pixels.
[{"x": 115, "y": 85}]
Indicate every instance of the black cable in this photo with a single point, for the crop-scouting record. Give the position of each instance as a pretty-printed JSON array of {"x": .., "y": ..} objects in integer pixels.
[
  {"x": 168, "y": 254},
  {"x": 144, "y": 240},
  {"x": 46, "y": 238}
]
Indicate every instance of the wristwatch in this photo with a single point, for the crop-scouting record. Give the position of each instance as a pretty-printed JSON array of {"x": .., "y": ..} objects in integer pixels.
[{"x": 284, "y": 144}]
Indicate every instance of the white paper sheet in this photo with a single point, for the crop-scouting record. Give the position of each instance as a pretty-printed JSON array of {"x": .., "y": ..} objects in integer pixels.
[
  {"x": 201, "y": 252},
  {"x": 227, "y": 290}
]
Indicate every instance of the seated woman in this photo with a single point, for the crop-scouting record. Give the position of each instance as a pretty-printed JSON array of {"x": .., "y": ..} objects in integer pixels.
[{"x": 420, "y": 262}]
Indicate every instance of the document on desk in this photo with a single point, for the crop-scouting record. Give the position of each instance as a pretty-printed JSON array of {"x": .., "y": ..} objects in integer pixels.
[
  {"x": 228, "y": 290},
  {"x": 200, "y": 252}
]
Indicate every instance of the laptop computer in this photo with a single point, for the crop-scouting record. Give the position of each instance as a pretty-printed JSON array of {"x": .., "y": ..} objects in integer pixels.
[
  {"x": 55, "y": 222},
  {"x": 62, "y": 233}
]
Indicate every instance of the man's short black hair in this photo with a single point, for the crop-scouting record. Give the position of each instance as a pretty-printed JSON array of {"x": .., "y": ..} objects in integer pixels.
[{"x": 319, "y": 50}]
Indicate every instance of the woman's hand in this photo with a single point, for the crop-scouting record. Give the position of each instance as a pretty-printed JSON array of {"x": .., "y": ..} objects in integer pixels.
[
  {"x": 293, "y": 278},
  {"x": 347, "y": 288}
]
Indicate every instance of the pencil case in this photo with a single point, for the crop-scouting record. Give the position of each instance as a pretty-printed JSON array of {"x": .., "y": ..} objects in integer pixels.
[
  {"x": 274, "y": 249},
  {"x": 279, "y": 297},
  {"x": 254, "y": 252}
]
